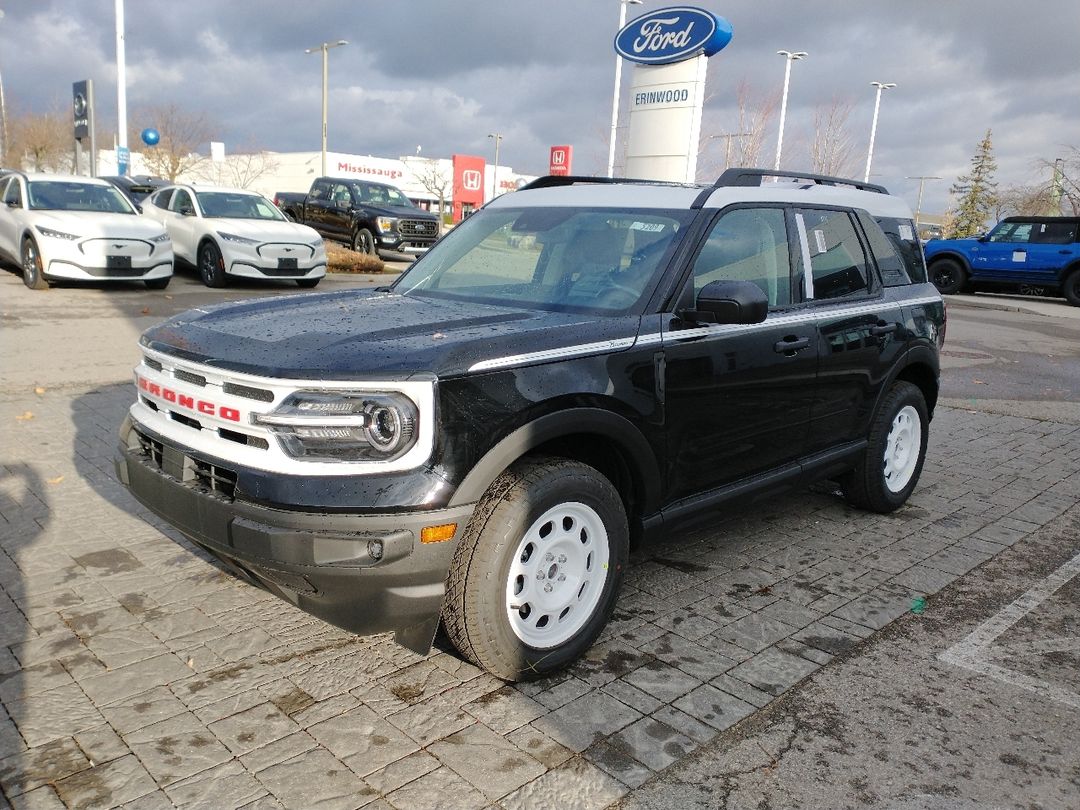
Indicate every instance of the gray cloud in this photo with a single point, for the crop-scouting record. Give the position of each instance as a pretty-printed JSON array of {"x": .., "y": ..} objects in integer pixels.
[{"x": 444, "y": 75}]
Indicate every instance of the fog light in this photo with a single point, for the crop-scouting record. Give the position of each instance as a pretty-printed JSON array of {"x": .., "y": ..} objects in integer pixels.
[
  {"x": 438, "y": 534},
  {"x": 375, "y": 549}
]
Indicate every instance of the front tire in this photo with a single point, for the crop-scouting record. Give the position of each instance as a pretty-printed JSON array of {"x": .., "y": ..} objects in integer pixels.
[
  {"x": 894, "y": 456},
  {"x": 536, "y": 574},
  {"x": 1070, "y": 288},
  {"x": 948, "y": 276},
  {"x": 211, "y": 265},
  {"x": 363, "y": 242},
  {"x": 32, "y": 267}
]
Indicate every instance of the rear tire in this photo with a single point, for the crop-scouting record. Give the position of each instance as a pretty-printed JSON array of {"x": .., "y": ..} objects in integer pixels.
[
  {"x": 892, "y": 462},
  {"x": 33, "y": 270},
  {"x": 308, "y": 283},
  {"x": 536, "y": 574},
  {"x": 1070, "y": 288},
  {"x": 948, "y": 276},
  {"x": 211, "y": 265},
  {"x": 157, "y": 283}
]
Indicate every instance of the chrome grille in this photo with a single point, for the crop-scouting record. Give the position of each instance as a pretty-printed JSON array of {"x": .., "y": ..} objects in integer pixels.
[{"x": 418, "y": 227}]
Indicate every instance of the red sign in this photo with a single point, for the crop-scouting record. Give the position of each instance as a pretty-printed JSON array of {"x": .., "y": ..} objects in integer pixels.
[
  {"x": 468, "y": 191},
  {"x": 561, "y": 158}
]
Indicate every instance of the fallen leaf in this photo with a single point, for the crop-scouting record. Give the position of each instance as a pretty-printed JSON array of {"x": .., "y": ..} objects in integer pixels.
[
  {"x": 168, "y": 297},
  {"x": 25, "y": 416},
  {"x": 145, "y": 310},
  {"x": 191, "y": 663},
  {"x": 39, "y": 390},
  {"x": 979, "y": 382},
  {"x": 56, "y": 480}
]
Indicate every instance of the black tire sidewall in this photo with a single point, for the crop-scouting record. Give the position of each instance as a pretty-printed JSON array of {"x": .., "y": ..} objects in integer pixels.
[
  {"x": 363, "y": 242},
  {"x": 504, "y": 529},
  {"x": 215, "y": 276},
  {"x": 1070, "y": 288},
  {"x": 902, "y": 395},
  {"x": 34, "y": 280},
  {"x": 958, "y": 274}
]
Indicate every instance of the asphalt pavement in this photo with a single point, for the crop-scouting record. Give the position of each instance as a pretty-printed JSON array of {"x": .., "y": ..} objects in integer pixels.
[{"x": 796, "y": 654}]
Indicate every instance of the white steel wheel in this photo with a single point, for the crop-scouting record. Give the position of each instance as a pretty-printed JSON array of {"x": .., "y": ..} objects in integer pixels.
[
  {"x": 902, "y": 448},
  {"x": 557, "y": 575}
]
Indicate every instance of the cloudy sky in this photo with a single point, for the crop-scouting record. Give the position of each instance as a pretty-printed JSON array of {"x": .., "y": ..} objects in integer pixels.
[{"x": 443, "y": 75}]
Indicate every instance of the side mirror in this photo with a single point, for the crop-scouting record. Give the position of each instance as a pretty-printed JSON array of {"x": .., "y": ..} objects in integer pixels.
[
  {"x": 12, "y": 203},
  {"x": 984, "y": 238},
  {"x": 187, "y": 212},
  {"x": 138, "y": 207},
  {"x": 730, "y": 302}
]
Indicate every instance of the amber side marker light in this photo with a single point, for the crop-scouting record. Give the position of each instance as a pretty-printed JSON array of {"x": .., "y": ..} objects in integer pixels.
[{"x": 438, "y": 534}]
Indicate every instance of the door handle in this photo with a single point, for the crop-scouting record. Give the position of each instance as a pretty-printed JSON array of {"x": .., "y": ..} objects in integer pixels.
[
  {"x": 790, "y": 345},
  {"x": 883, "y": 329},
  {"x": 1065, "y": 252}
]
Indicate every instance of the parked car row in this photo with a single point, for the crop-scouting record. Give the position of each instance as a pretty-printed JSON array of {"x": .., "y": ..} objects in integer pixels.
[{"x": 92, "y": 229}]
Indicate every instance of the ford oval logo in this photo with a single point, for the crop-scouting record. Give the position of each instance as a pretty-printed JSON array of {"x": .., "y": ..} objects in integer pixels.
[{"x": 672, "y": 35}]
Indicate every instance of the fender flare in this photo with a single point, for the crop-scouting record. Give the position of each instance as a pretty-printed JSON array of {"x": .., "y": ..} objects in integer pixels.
[
  {"x": 914, "y": 356},
  {"x": 950, "y": 254},
  {"x": 596, "y": 421}
]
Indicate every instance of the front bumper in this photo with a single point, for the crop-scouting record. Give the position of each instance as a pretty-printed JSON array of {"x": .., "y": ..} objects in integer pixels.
[
  {"x": 249, "y": 269},
  {"x": 60, "y": 268},
  {"x": 325, "y": 563}
]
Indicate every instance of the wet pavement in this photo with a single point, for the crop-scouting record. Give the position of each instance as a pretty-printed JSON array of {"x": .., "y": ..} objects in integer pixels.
[{"x": 134, "y": 672}]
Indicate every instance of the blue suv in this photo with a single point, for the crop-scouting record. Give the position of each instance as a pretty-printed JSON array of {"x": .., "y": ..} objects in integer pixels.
[{"x": 1035, "y": 251}]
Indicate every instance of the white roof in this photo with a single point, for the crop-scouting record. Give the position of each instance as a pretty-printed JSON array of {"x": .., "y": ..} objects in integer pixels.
[
  {"x": 67, "y": 178},
  {"x": 216, "y": 189},
  {"x": 642, "y": 195}
]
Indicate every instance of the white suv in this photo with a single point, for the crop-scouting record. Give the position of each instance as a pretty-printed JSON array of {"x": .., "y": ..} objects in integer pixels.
[{"x": 80, "y": 228}]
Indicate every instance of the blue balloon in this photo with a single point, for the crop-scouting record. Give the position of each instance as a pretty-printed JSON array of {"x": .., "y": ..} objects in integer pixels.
[{"x": 151, "y": 136}]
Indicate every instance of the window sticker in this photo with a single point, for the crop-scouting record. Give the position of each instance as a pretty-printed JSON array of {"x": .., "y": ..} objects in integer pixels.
[
  {"x": 651, "y": 227},
  {"x": 819, "y": 241},
  {"x": 906, "y": 233}
]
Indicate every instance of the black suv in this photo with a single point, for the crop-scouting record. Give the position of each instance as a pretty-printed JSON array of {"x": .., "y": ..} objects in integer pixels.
[{"x": 579, "y": 367}]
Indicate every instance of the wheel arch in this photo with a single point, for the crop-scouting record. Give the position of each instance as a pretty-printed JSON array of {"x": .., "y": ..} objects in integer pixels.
[
  {"x": 920, "y": 368},
  {"x": 604, "y": 440},
  {"x": 1068, "y": 270},
  {"x": 965, "y": 263}
]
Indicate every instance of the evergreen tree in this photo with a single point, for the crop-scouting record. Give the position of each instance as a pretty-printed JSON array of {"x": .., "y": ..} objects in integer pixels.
[{"x": 977, "y": 191}]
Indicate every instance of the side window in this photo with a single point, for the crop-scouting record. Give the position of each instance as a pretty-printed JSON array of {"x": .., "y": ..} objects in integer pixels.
[
  {"x": 837, "y": 262},
  {"x": 748, "y": 244},
  {"x": 1054, "y": 233},
  {"x": 162, "y": 198},
  {"x": 12, "y": 193},
  {"x": 319, "y": 190},
  {"x": 181, "y": 202},
  {"x": 1012, "y": 232},
  {"x": 341, "y": 195},
  {"x": 901, "y": 232}
]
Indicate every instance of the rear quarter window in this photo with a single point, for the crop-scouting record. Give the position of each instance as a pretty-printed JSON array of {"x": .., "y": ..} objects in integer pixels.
[{"x": 905, "y": 241}]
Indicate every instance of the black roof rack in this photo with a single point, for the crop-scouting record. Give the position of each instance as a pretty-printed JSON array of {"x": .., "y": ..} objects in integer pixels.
[
  {"x": 553, "y": 180},
  {"x": 753, "y": 177}
]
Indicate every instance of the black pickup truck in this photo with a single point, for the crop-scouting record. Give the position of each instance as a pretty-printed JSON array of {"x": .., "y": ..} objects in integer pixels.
[{"x": 369, "y": 217}]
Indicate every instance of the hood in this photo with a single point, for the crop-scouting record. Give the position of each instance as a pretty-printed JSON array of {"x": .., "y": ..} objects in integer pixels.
[
  {"x": 96, "y": 224},
  {"x": 363, "y": 335},
  {"x": 265, "y": 230}
]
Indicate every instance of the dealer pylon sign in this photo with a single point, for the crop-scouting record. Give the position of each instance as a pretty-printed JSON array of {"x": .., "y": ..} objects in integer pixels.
[{"x": 669, "y": 47}]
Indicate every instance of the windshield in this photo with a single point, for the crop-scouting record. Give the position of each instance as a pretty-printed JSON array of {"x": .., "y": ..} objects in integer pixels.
[
  {"x": 566, "y": 259},
  {"x": 62, "y": 195},
  {"x": 230, "y": 205},
  {"x": 374, "y": 194}
]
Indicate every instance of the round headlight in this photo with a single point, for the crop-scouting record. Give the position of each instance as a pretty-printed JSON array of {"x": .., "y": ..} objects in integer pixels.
[{"x": 389, "y": 428}]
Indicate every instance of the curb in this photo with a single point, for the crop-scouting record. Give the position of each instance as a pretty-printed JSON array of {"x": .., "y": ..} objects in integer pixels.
[{"x": 967, "y": 302}]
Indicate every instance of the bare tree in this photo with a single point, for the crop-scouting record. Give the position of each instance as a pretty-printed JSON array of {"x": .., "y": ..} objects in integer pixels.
[
  {"x": 40, "y": 141},
  {"x": 755, "y": 115},
  {"x": 238, "y": 170},
  {"x": 432, "y": 176},
  {"x": 832, "y": 150},
  {"x": 1064, "y": 189},
  {"x": 182, "y": 134}
]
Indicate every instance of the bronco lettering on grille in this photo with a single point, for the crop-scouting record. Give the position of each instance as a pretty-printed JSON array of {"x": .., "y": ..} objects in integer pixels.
[{"x": 189, "y": 403}]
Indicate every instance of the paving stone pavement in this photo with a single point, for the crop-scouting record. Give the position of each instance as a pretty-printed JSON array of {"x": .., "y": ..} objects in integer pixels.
[{"x": 135, "y": 673}]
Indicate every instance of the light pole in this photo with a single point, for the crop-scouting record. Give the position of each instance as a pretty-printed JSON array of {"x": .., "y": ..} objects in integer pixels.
[
  {"x": 727, "y": 136},
  {"x": 873, "y": 127},
  {"x": 615, "y": 96},
  {"x": 121, "y": 91},
  {"x": 495, "y": 174},
  {"x": 326, "y": 46},
  {"x": 3, "y": 113},
  {"x": 789, "y": 57},
  {"x": 922, "y": 178}
]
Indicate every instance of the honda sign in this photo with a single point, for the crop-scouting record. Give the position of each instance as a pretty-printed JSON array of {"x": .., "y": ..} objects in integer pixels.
[{"x": 560, "y": 159}]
